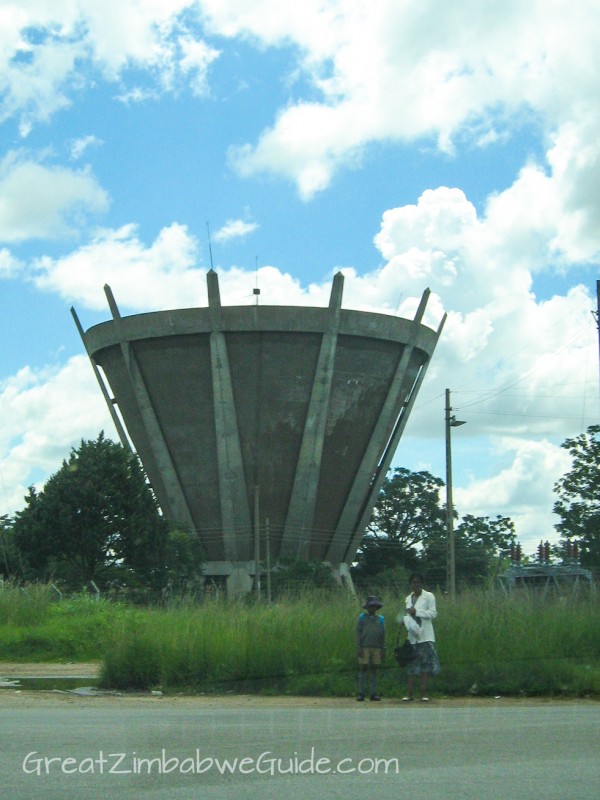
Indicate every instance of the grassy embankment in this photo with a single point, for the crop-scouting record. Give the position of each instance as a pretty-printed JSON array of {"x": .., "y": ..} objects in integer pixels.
[{"x": 487, "y": 643}]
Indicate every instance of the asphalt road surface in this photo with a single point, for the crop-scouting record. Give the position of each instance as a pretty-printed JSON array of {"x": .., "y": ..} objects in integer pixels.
[{"x": 62, "y": 747}]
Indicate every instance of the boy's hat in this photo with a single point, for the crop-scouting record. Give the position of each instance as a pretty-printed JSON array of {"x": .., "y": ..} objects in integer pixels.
[{"x": 372, "y": 601}]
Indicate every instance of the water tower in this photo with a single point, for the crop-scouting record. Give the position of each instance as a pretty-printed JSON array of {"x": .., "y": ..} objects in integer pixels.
[{"x": 243, "y": 414}]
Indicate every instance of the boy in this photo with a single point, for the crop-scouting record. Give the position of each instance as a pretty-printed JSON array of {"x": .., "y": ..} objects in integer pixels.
[{"x": 370, "y": 645}]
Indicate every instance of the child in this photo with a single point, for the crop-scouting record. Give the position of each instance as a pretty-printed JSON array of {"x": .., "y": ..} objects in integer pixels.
[{"x": 370, "y": 645}]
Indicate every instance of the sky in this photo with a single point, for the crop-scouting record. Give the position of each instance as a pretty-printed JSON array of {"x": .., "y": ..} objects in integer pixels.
[{"x": 411, "y": 144}]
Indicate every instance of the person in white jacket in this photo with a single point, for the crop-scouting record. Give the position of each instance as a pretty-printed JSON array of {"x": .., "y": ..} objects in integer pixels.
[{"x": 418, "y": 620}]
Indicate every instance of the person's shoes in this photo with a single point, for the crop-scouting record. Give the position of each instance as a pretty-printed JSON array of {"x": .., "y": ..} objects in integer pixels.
[
  {"x": 374, "y": 697},
  {"x": 407, "y": 699},
  {"x": 360, "y": 697}
]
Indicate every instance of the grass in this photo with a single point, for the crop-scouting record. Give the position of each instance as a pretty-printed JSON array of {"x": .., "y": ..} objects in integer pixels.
[
  {"x": 489, "y": 644},
  {"x": 233, "y": 645},
  {"x": 36, "y": 626},
  {"x": 520, "y": 645}
]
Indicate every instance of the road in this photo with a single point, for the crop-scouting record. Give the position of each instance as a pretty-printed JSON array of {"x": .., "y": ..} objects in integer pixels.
[{"x": 64, "y": 747}]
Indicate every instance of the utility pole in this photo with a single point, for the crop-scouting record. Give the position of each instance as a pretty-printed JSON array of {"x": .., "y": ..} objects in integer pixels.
[
  {"x": 597, "y": 317},
  {"x": 451, "y": 422},
  {"x": 256, "y": 543},
  {"x": 268, "y": 558}
]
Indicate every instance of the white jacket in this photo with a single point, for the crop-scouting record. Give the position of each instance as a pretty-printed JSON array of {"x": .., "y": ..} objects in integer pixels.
[{"x": 426, "y": 612}]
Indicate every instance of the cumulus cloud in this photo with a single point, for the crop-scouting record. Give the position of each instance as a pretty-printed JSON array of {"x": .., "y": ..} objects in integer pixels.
[
  {"x": 518, "y": 366},
  {"x": 523, "y": 490},
  {"x": 391, "y": 74},
  {"x": 45, "y": 202},
  {"x": 52, "y": 48},
  {"x": 161, "y": 275},
  {"x": 481, "y": 268},
  {"x": 50, "y": 411}
]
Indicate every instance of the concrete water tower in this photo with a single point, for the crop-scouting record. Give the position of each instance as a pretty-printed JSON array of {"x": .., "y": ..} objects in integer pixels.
[{"x": 242, "y": 414}]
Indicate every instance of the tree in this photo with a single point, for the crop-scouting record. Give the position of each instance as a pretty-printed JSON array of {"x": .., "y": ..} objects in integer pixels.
[
  {"x": 578, "y": 504},
  {"x": 184, "y": 559},
  {"x": 95, "y": 517},
  {"x": 480, "y": 545},
  {"x": 407, "y": 513},
  {"x": 291, "y": 576}
]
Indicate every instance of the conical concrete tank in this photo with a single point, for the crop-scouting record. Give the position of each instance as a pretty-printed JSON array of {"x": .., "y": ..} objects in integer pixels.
[{"x": 283, "y": 414}]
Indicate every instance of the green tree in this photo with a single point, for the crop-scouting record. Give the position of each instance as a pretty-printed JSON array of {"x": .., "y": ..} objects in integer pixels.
[
  {"x": 480, "y": 546},
  {"x": 292, "y": 576},
  {"x": 408, "y": 512},
  {"x": 184, "y": 559},
  {"x": 578, "y": 503},
  {"x": 95, "y": 518}
]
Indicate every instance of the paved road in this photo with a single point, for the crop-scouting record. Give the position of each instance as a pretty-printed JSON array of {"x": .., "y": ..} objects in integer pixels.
[{"x": 443, "y": 752}]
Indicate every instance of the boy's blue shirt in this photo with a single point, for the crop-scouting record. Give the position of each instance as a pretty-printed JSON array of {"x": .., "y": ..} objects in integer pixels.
[
  {"x": 379, "y": 616},
  {"x": 368, "y": 637}
]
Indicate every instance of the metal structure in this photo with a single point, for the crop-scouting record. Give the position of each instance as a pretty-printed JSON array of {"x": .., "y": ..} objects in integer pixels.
[
  {"x": 547, "y": 578},
  {"x": 243, "y": 414}
]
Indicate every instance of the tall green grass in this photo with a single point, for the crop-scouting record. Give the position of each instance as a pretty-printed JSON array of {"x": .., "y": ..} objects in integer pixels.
[
  {"x": 25, "y": 605},
  {"x": 36, "y": 626},
  {"x": 300, "y": 645},
  {"x": 487, "y": 643},
  {"x": 520, "y": 644}
]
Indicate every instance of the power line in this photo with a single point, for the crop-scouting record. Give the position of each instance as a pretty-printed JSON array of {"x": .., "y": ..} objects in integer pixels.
[{"x": 511, "y": 382}]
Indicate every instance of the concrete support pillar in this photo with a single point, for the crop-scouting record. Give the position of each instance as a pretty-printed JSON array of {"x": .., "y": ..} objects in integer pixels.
[
  {"x": 180, "y": 513},
  {"x": 301, "y": 509},
  {"x": 235, "y": 511},
  {"x": 240, "y": 582},
  {"x": 342, "y": 575}
]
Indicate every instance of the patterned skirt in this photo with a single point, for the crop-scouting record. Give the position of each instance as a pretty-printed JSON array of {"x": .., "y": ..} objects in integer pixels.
[{"x": 426, "y": 660}]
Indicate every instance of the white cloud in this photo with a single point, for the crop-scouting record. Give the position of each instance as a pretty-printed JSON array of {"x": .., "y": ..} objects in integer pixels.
[
  {"x": 79, "y": 146},
  {"x": 196, "y": 58},
  {"x": 160, "y": 276},
  {"x": 52, "y": 48},
  {"x": 482, "y": 270},
  {"x": 9, "y": 265},
  {"x": 50, "y": 411},
  {"x": 45, "y": 202},
  {"x": 234, "y": 229},
  {"x": 407, "y": 72},
  {"x": 523, "y": 490}
]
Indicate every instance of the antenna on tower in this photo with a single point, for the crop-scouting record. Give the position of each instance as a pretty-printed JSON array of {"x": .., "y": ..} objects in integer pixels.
[
  {"x": 256, "y": 290},
  {"x": 209, "y": 246}
]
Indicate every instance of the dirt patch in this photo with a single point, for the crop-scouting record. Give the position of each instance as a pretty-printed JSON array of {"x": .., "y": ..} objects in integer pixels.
[{"x": 12, "y": 670}]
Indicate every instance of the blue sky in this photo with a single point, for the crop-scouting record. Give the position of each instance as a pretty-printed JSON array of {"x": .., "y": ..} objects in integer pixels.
[{"x": 411, "y": 145}]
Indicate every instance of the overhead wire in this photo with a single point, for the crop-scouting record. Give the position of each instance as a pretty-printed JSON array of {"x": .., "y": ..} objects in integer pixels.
[{"x": 516, "y": 379}]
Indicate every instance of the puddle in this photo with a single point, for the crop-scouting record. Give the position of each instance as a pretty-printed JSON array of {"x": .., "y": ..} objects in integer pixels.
[{"x": 64, "y": 683}]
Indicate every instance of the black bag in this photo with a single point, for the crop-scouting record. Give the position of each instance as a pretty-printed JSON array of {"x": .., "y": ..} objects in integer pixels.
[{"x": 404, "y": 654}]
